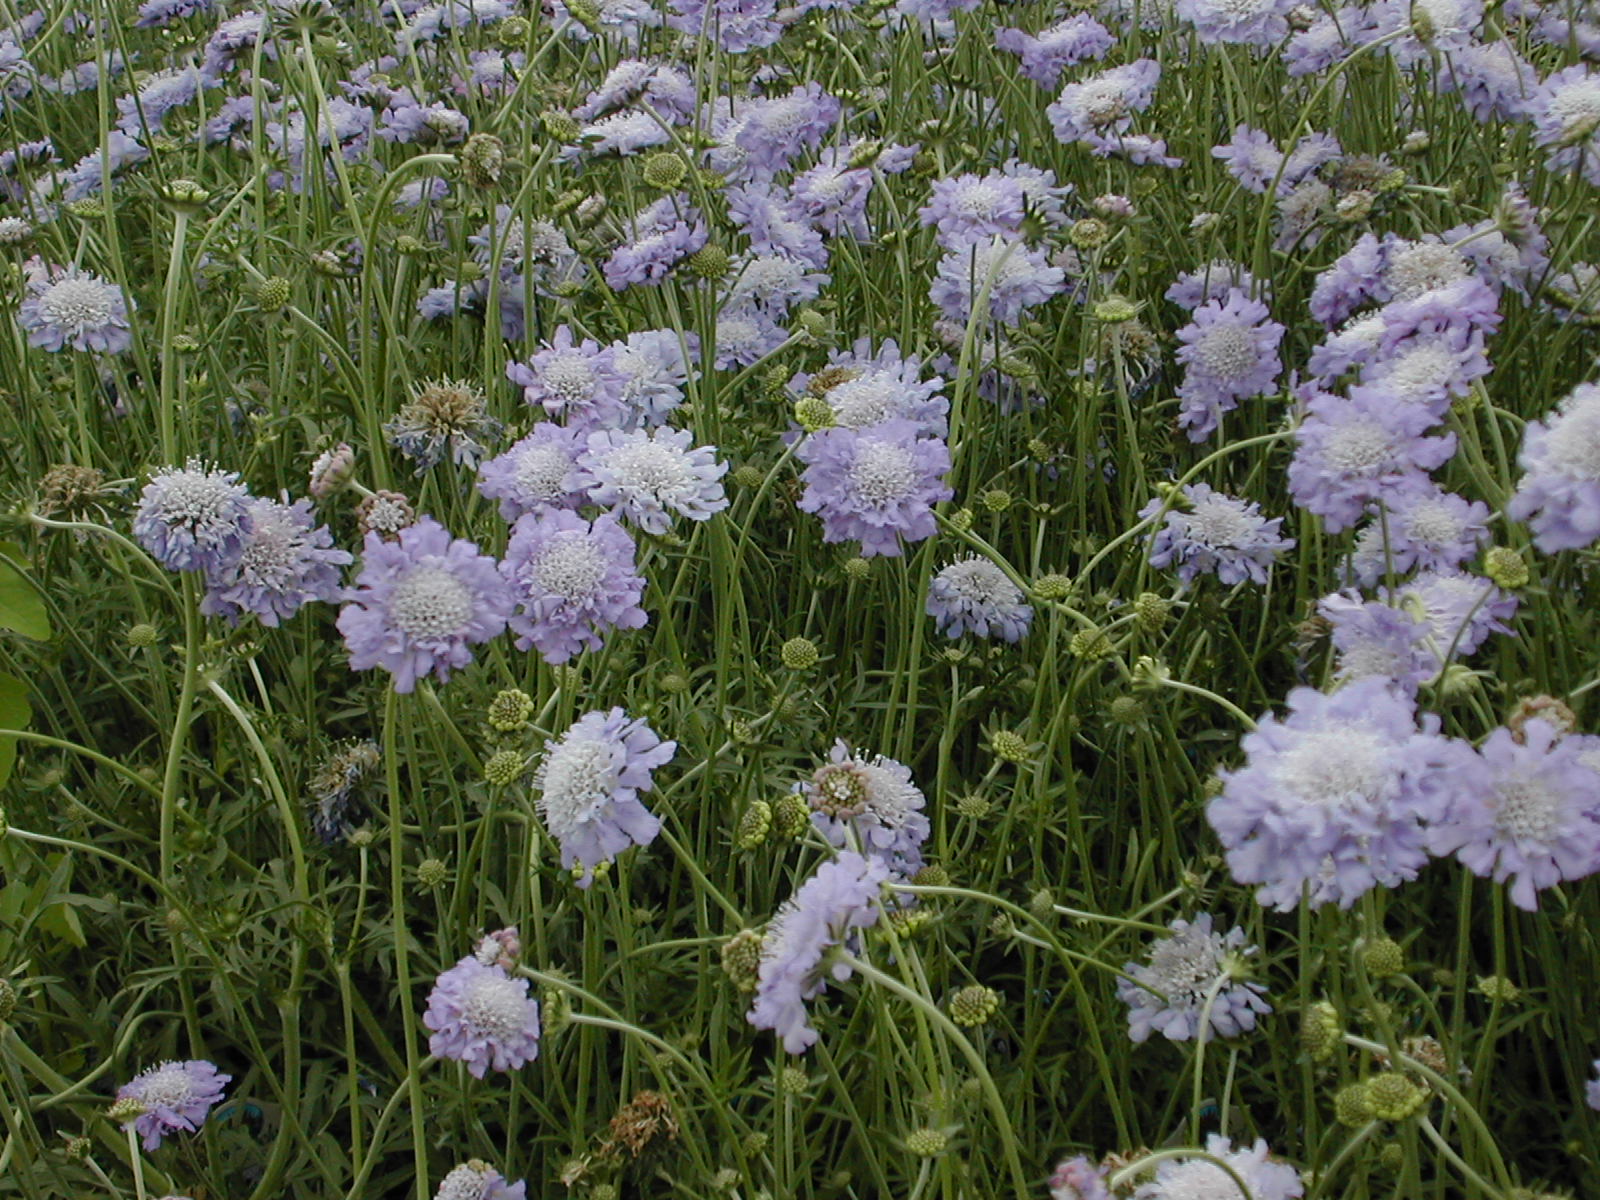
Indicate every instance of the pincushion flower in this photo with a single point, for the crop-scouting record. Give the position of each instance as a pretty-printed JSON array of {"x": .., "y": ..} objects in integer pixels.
[
  {"x": 192, "y": 518},
  {"x": 1422, "y": 528},
  {"x": 649, "y": 476},
  {"x": 420, "y": 602},
  {"x": 482, "y": 1016},
  {"x": 1259, "y": 23},
  {"x": 875, "y": 800},
  {"x": 539, "y": 472},
  {"x": 575, "y": 380},
  {"x": 1201, "y": 1179},
  {"x": 1015, "y": 276},
  {"x": 1559, "y": 492},
  {"x": 68, "y": 307},
  {"x": 1214, "y": 534},
  {"x": 1103, "y": 105},
  {"x": 1052, "y": 50},
  {"x": 175, "y": 1095},
  {"x": 477, "y": 1180},
  {"x": 973, "y": 595},
  {"x": 1332, "y": 797},
  {"x": 839, "y": 899},
  {"x": 1230, "y": 352},
  {"x": 284, "y": 563},
  {"x": 972, "y": 208},
  {"x": 589, "y": 782},
  {"x": 1522, "y": 810},
  {"x": 1195, "y": 976},
  {"x": 875, "y": 485},
  {"x": 1078, "y": 1179},
  {"x": 572, "y": 580}
]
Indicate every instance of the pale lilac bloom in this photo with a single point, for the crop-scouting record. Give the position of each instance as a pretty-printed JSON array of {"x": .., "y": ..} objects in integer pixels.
[
  {"x": 589, "y": 782},
  {"x": 1591, "y": 1093},
  {"x": 648, "y": 476},
  {"x": 973, "y": 208},
  {"x": 64, "y": 306},
  {"x": 620, "y": 21},
  {"x": 832, "y": 195},
  {"x": 176, "y": 1097},
  {"x": 662, "y": 235},
  {"x": 1189, "y": 973},
  {"x": 972, "y": 595},
  {"x": 656, "y": 365},
  {"x": 660, "y": 87},
  {"x": 192, "y": 518},
  {"x": 481, "y": 1015},
  {"x": 776, "y": 224},
  {"x": 869, "y": 805},
  {"x": 285, "y": 564},
  {"x": 420, "y": 602},
  {"x": 575, "y": 380},
  {"x": 145, "y": 112},
  {"x": 774, "y": 130},
  {"x": 1330, "y": 38},
  {"x": 1078, "y": 38},
  {"x": 1492, "y": 79},
  {"x": 772, "y": 283},
  {"x": 1214, "y": 534},
  {"x": 1428, "y": 29},
  {"x": 1461, "y": 610},
  {"x": 865, "y": 388},
  {"x": 1214, "y": 281},
  {"x": 1230, "y": 352},
  {"x": 1517, "y": 261},
  {"x": 839, "y": 899},
  {"x": 622, "y": 133},
  {"x": 1332, "y": 797},
  {"x": 476, "y": 1180},
  {"x": 1521, "y": 810},
  {"x": 572, "y": 580},
  {"x": 1045, "y": 198},
  {"x": 539, "y": 472},
  {"x": 1422, "y": 528},
  {"x": 1558, "y": 495},
  {"x": 1201, "y": 1179},
  {"x": 737, "y": 26},
  {"x": 1252, "y": 158},
  {"x": 1374, "y": 640},
  {"x": 155, "y": 13},
  {"x": 1015, "y": 276},
  {"x": 1354, "y": 278},
  {"x": 1104, "y": 104},
  {"x": 1258, "y": 23},
  {"x": 1079, "y": 1179},
  {"x": 410, "y": 123},
  {"x": 875, "y": 485},
  {"x": 429, "y": 22},
  {"x": 1352, "y": 345}
]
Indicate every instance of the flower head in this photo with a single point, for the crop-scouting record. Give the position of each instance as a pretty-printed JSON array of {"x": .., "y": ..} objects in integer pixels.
[
  {"x": 648, "y": 476},
  {"x": 1195, "y": 976},
  {"x": 175, "y": 1096},
  {"x": 1078, "y": 1179},
  {"x": 69, "y": 307},
  {"x": 476, "y": 1180},
  {"x": 1230, "y": 352},
  {"x": 1559, "y": 492},
  {"x": 572, "y": 580},
  {"x": 840, "y": 898},
  {"x": 875, "y": 485},
  {"x": 1202, "y": 1179},
  {"x": 443, "y": 416},
  {"x": 1015, "y": 277},
  {"x": 577, "y": 381},
  {"x": 873, "y": 798},
  {"x": 1214, "y": 534},
  {"x": 589, "y": 783},
  {"x": 284, "y": 564},
  {"x": 973, "y": 595},
  {"x": 538, "y": 473},
  {"x": 482, "y": 1016},
  {"x": 193, "y": 519},
  {"x": 419, "y": 602}
]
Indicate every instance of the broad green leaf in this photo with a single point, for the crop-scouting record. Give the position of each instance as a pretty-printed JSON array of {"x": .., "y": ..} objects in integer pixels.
[
  {"x": 22, "y": 609},
  {"x": 15, "y": 713}
]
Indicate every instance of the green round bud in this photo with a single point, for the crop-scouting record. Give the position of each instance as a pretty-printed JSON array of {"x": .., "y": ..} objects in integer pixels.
[
  {"x": 1383, "y": 958},
  {"x": 973, "y": 806},
  {"x": 273, "y": 293},
  {"x": 8, "y": 1000},
  {"x": 741, "y": 959},
  {"x": 559, "y": 127},
  {"x": 674, "y": 684},
  {"x": 1320, "y": 1031},
  {"x": 142, "y": 635},
  {"x": 996, "y": 500},
  {"x": 510, "y": 710},
  {"x": 126, "y": 1109},
  {"x": 748, "y": 477},
  {"x": 1008, "y": 746},
  {"x": 185, "y": 343},
  {"x": 1042, "y": 903},
  {"x": 1151, "y": 611},
  {"x": 1506, "y": 568},
  {"x": 1054, "y": 586},
  {"x": 710, "y": 262},
  {"x": 1114, "y": 310},
  {"x": 1089, "y": 233},
  {"x": 1091, "y": 643},
  {"x": 754, "y": 825},
  {"x": 185, "y": 194},
  {"x": 813, "y": 413},
  {"x": 431, "y": 873},
  {"x": 931, "y": 875},
  {"x": 664, "y": 170},
  {"x": 1391, "y": 1157},
  {"x": 1498, "y": 987},
  {"x": 1391, "y": 1096},
  {"x": 857, "y": 569},
  {"x": 974, "y": 1004},
  {"x": 792, "y": 1081},
  {"x": 799, "y": 654},
  {"x": 512, "y": 33},
  {"x": 77, "y": 1148},
  {"x": 503, "y": 768},
  {"x": 791, "y": 815},
  {"x": 812, "y": 323},
  {"x": 961, "y": 520},
  {"x": 482, "y": 160},
  {"x": 1128, "y": 711},
  {"x": 927, "y": 1143},
  {"x": 1350, "y": 1105}
]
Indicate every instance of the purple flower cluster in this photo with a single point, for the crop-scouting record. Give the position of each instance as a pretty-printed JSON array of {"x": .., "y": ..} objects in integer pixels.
[
  {"x": 997, "y": 277},
  {"x": 476, "y": 1180},
  {"x": 875, "y": 485},
  {"x": 572, "y": 580},
  {"x": 589, "y": 782},
  {"x": 284, "y": 563},
  {"x": 482, "y": 1016},
  {"x": 1195, "y": 978},
  {"x": 1559, "y": 492},
  {"x": 1044, "y": 55},
  {"x": 839, "y": 899},
  {"x": 68, "y": 307},
  {"x": 869, "y": 805},
  {"x": 1230, "y": 353},
  {"x": 974, "y": 595},
  {"x": 176, "y": 1097},
  {"x": 1213, "y": 534}
]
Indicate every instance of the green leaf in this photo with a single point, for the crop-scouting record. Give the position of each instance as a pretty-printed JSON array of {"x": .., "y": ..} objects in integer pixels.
[
  {"x": 15, "y": 713},
  {"x": 22, "y": 609}
]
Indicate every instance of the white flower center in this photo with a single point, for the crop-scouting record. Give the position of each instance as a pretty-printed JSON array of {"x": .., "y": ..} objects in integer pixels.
[
  {"x": 977, "y": 200},
  {"x": 1526, "y": 810},
  {"x": 1359, "y": 448},
  {"x": 463, "y": 1183},
  {"x": 1574, "y": 442},
  {"x": 1422, "y": 369},
  {"x": 865, "y": 400},
  {"x": 651, "y": 466},
  {"x": 169, "y": 1086},
  {"x": 577, "y": 778},
  {"x": 1433, "y": 524},
  {"x": 1227, "y": 352},
  {"x": 493, "y": 1004},
  {"x": 1334, "y": 768},
  {"x": 572, "y": 566},
  {"x": 978, "y": 581},
  {"x": 1422, "y": 267},
  {"x": 430, "y": 602},
  {"x": 273, "y": 552},
  {"x": 1199, "y": 1180},
  {"x": 1577, "y": 106},
  {"x": 568, "y": 376},
  {"x": 1218, "y": 523},
  {"x": 883, "y": 472},
  {"x": 77, "y": 302},
  {"x": 542, "y": 472},
  {"x": 1186, "y": 965}
]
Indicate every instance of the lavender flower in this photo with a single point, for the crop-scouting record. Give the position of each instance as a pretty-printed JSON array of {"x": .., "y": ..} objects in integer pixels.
[
  {"x": 1378, "y": 641},
  {"x": 285, "y": 563},
  {"x": 1015, "y": 277},
  {"x": 1260, "y": 23},
  {"x": 1079, "y": 38},
  {"x": 476, "y": 1180},
  {"x": 737, "y": 26},
  {"x": 66, "y": 306},
  {"x": 1460, "y": 610},
  {"x": 154, "y": 13},
  {"x": 1215, "y": 281},
  {"x": 773, "y": 130},
  {"x": 772, "y": 283},
  {"x": 1201, "y": 1179},
  {"x": 1252, "y": 158},
  {"x": 1230, "y": 351},
  {"x": 648, "y": 476},
  {"x": 1592, "y": 1090},
  {"x": 193, "y": 519},
  {"x": 1103, "y": 105},
  {"x": 875, "y": 485},
  {"x": 589, "y": 782},
  {"x": 538, "y": 473},
  {"x": 572, "y": 580},
  {"x": 1194, "y": 977},
  {"x": 795, "y": 964},
  {"x": 655, "y": 365},
  {"x": 1422, "y": 527},
  {"x": 175, "y": 1095},
  {"x": 1521, "y": 809},
  {"x": 662, "y": 234},
  {"x": 1078, "y": 1179},
  {"x": 776, "y": 223},
  {"x": 745, "y": 335},
  {"x": 870, "y": 805},
  {"x": 482, "y": 1016},
  {"x": 1331, "y": 798},
  {"x": 1214, "y": 534},
  {"x": 1559, "y": 492},
  {"x": 973, "y": 595},
  {"x": 973, "y": 208},
  {"x": 579, "y": 381},
  {"x": 419, "y": 602},
  {"x": 1566, "y": 115},
  {"x": 865, "y": 388}
]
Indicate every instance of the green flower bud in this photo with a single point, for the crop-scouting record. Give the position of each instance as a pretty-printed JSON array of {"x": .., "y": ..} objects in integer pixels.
[
  {"x": 1351, "y": 1107},
  {"x": 791, "y": 815},
  {"x": 431, "y": 873},
  {"x": 799, "y": 654},
  {"x": 1507, "y": 568},
  {"x": 510, "y": 710},
  {"x": 1053, "y": 586},
  {"x": 974, "y": 1005},
  {"x": 664, "y": 170},
  {"x": 741, "y": 959},
  {"x": 503, "y": 768},
  {"x": 142, "y": 635},
  {"x": 1391, "y": 1096},
  {"x": 927, "y": 1143},
  {"x": 273, "y": 293},
  {"x": 1383, "y": 958},
  {"x": 754, "y": 825}
]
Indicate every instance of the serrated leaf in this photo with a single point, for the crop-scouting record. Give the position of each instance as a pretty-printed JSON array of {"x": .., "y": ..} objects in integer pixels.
[
  {"x": 22, "y": 609},
  {"x": 15, "y": 713}
]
